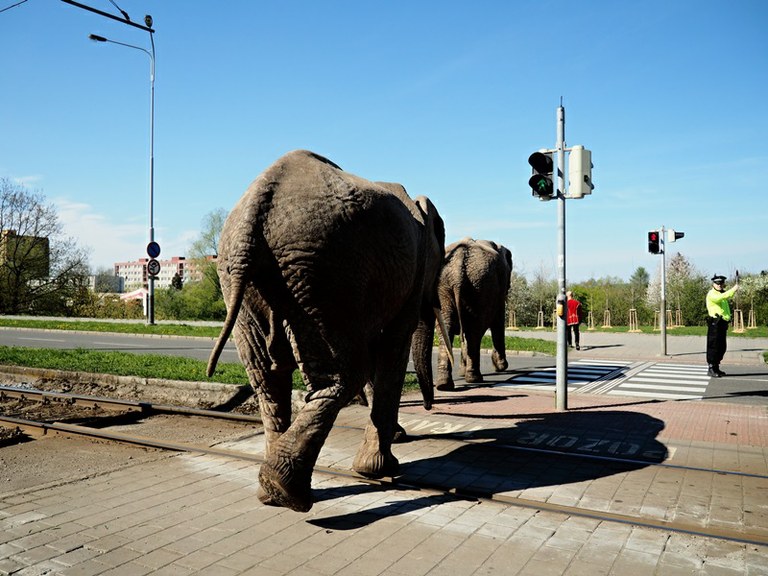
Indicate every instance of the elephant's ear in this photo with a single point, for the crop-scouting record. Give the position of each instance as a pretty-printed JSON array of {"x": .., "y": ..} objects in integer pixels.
[
  {"x": 432, "y": 220},
  {"x": 507, "y": 256}
]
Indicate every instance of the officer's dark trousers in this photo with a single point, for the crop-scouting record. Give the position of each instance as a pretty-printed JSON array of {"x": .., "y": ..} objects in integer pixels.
[{"x": 717, "y": 329}]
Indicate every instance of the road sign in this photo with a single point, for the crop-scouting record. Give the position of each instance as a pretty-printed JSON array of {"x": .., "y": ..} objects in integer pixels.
[
  {"x": 153, "y": 267},
  {"x": 153, "y": 249}
]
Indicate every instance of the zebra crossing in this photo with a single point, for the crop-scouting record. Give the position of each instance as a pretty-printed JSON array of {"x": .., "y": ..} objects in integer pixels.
[
  {"x": 665, "y": 381},
  {"x": 645, "y": 379},
  {"x": 582, "y": 375}
]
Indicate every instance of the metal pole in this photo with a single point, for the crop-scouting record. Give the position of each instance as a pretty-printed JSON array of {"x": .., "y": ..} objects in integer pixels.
[
  {"x": 151, "y": 278},
  {"x": 663, "y": 311},
  {"x": 151, "y": 305},
  {"x": 561, "y": 388}
]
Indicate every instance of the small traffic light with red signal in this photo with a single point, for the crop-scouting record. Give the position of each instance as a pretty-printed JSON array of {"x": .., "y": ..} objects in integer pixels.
[{"x": 653, "y": 242}]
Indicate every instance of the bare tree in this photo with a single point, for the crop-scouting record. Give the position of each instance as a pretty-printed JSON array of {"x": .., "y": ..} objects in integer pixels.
[
  {"x": 41, "y": 270},
  {"x": 207, "y": 245}
]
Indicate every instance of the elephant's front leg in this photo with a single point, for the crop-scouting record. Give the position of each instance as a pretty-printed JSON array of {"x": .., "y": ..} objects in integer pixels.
[
  {"x": 471, "y": 354},
  {"x": 444, "y": 378}
]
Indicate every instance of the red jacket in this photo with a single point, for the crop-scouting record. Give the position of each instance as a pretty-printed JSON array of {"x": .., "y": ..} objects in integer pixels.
[{"x": 574, "y": 311}]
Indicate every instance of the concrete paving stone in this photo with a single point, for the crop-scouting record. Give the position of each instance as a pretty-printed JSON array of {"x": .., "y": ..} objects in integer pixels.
[
  {"x": 76, "y": 556},
  {"x": 198, "y": 559},
  {"x": 117, "y": 557},
  {"x": 158, "y": 558},
  {"x": 239, "y": 562},
  {"x": 580, "y": 568},
  {"x": 7, "y": 550},
  {"x": 68, "y": 543},
  {"x": 128, "y": 569},
  {"x": 433, "y": 549},
  {"x": 29, "y": 556},
  {"x": 9, "y": 566},
  {"x": 536, "y": 567},
  {"x": 108, "y": 543},
  {"x": 174, "y": 570},
  {"x": 635, "y": 562}
]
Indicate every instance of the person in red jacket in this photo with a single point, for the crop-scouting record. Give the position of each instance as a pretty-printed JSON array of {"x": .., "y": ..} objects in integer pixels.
[{"x": 573, "y": 319}]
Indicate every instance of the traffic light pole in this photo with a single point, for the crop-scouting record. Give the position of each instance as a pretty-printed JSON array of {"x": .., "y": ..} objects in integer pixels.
[
  {"x": 663, "y": 311},
  {"x": 542, "y": 183},
  {"x": 561, "y": 386}
]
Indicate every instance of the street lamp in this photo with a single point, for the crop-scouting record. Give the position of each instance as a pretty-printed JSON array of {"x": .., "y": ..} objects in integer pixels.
[{"x": 151, "y": 277}]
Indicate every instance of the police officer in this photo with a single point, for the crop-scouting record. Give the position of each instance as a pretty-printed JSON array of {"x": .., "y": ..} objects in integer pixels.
[{"x": 718, "y": 316}]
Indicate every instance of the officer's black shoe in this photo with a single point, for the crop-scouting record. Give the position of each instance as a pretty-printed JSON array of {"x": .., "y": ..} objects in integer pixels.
[
  {"x": 720, "y": 373},
  {"x": 713, "y": 372}
]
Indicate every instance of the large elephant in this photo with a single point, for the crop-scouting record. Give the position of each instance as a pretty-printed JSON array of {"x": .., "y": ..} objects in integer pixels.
[
  {"x": 473, "y": 288},
  {"x": 334, "y": 275}
]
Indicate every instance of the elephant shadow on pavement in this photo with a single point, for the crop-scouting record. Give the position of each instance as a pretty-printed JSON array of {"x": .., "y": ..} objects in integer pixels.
[{"x": 544, "y": 450}]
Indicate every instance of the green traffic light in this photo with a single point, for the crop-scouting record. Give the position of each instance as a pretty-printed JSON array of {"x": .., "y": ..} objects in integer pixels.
[{"x": 541, "y": 185}]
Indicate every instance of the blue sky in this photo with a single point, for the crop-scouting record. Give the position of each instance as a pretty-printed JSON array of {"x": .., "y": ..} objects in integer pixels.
[{"x": 448, "y": 98}]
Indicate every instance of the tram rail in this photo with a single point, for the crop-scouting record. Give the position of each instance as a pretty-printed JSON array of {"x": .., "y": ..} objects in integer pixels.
[{"x": 37, "y": 428}]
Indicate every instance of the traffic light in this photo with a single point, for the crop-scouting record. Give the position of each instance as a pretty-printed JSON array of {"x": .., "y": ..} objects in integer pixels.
[
  {"x": 673, "y": 235},
  {"x": 541, "y": 181},
  {"x": 653, "y": 242},
  {"x": 579, "y": 172}
]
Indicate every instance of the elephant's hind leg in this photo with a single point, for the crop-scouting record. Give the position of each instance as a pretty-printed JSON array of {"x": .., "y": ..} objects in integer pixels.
[{"x": 285, "y": 477}]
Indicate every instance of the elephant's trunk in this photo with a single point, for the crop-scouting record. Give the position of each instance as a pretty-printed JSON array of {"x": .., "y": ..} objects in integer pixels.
[{"x": 233, "y": 310}]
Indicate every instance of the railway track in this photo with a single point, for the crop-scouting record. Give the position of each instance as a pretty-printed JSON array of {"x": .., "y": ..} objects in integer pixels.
[{"x": 38, "y": 428}]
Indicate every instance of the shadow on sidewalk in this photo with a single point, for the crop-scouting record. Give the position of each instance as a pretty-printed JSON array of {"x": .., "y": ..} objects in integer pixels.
[{"x": 545, "y": 450}]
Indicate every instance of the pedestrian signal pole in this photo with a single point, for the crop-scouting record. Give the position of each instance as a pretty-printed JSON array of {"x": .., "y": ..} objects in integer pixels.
[
  {"x": 542, "y": 186},
  {"x": 663, "y": 311},
  {"x": 657, "y": 242}
]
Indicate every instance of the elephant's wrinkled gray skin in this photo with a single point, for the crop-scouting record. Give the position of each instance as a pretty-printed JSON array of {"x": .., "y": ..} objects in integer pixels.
[
  {"x": 473, "y": 290},
  {"x": 332, "y": 274}
]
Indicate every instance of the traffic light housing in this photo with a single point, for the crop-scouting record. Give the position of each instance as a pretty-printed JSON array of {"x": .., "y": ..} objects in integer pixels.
[
  {"x": 541, "y": 180},
  {"x": 579, "y": 172},
  {"x": 653, "y": 242},
  {"x": 673, "y": 235}
]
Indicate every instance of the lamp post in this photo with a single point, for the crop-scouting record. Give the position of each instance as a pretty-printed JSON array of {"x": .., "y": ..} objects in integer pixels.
[{"x": 151, "y": 277}]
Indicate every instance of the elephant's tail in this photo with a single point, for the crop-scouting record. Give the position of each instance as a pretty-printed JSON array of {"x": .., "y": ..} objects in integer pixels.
[{"x": 232, "y": 311}]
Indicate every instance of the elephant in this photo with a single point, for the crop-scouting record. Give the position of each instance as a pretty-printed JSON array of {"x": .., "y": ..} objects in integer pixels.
[
  {"x": 473, "y": 288},
  {"x": 336, "y": 276}
]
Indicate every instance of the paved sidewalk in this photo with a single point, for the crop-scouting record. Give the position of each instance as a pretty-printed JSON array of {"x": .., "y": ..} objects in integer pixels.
[{"x": 188, "y": 514}]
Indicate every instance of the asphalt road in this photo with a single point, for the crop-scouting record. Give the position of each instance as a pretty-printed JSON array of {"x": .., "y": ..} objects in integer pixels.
[{"x": 625, "y": 354}]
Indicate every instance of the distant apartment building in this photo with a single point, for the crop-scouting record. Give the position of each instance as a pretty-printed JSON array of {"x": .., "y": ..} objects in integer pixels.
[{"x": 135, "y": 276}]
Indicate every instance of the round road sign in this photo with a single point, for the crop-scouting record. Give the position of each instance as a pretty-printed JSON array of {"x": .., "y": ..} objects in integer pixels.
[
  {"x": 153, "y": 267},
  {"x": 153, "y": 249}
]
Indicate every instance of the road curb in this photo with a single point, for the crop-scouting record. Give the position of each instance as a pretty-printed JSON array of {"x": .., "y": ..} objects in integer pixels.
[{"x": 208, "y": 395}]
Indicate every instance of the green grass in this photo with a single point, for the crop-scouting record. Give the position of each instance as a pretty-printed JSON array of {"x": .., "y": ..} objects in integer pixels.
[
  {"x": 187, "y": 369},
  {"x": 121, "y": 364},
  {"x": 168, "y": 367},
  {"x": 117, "y": 327}
]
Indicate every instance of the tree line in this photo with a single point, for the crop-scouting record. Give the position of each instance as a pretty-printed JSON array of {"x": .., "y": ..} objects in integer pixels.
[{"x": 44, "y": 272}]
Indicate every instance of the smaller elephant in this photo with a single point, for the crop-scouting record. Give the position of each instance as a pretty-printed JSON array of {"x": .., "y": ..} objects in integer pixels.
[{"x": 473, "y": 288}]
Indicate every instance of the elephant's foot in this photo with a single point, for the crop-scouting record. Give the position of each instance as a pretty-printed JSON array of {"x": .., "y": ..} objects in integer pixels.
[
  {"x": 444, "y": 381},
  {"x": 375, "y": 464},
  {"x": 499, "y": 362},
  {"x": 473, "y": 376},
  {"x": 276, "y": 488}
]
